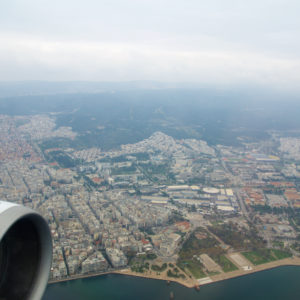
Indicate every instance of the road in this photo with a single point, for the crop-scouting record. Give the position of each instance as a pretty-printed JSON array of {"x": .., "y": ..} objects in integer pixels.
[
  {"x": 236, "y": 181},
  {"x": 242, "y": 204}
]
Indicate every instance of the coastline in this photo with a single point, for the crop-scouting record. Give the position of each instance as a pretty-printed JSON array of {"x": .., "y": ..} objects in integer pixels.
[
  {"x": 79, "y": 276},
  {"x": 294, "y": 261},
  {"x": 192, "y": 282}
]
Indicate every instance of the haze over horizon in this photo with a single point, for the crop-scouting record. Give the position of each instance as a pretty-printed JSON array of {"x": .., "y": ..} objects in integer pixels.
[{"x": 215, "y": 43}]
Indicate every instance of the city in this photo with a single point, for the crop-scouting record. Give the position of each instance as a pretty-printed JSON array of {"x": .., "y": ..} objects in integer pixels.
[{"x": 175, "y": 209}]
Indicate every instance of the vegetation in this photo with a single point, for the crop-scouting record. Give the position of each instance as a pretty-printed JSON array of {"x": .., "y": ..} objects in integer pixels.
[
  {"x": 199, "y": 242},
  {"x": 159, "y": 268},
  {"x": 131, "y": 116},
  {"x": 64, "y": 160},
  {"x": 151, "y": 256},
  {"x": 195, "y": 245},
  {"x": 116, "y": 159},
  {"x": 212, "y": 273},
  {"x": 157, "y": 172},
  {"x": 193, "y": 266},
  {"x": 296, "y": 246},
  {"x": 155, "y": 168},
  {"x": 139, "y": 266},
  {"x": 296, "y": 217},
  {"x": 147, "y": 230},
  {"x": 90, "y": 182},
  {"x": 141, "y": 156},
  {"x": 262, "y": 256},
  {"x": 238, "y": 238},
  {"x": 123, "y": 170},
  {"x": 281, "y": 254},
  {"x": 175, "y": 274},
  {"x": 278, "y": 244},
  {"x": 141, "y": 263},
  {"x": 176, "y": 217},
  {"x": 263, "y": 209},
  {"x": 206, "y": 244},
  {"x": 225, "y": 263}
]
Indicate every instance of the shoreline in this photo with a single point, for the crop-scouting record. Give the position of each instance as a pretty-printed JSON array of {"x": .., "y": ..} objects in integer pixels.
[
  {"x": 295, "y": 261},
  {"x": 192, "y": 282},
  {"x": 79, "y": 276}
]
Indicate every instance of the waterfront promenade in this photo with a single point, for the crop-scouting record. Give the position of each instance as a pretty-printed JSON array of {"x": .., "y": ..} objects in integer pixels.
[{"x": 192, "y": 282}]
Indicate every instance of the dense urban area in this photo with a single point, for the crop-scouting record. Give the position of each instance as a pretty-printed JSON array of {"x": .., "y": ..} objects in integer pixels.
[{"x": 162, "y": 206}]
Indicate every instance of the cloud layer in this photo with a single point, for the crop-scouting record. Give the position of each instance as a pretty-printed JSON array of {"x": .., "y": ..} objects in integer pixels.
[{"x": 220, "y": 42}]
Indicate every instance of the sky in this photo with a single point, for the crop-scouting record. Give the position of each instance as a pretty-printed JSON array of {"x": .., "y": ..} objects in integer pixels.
[{"x": 215, "y": 42}]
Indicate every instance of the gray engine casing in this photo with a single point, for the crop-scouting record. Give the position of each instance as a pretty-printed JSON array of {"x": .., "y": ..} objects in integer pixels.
[{"x": 25, "y": 253}]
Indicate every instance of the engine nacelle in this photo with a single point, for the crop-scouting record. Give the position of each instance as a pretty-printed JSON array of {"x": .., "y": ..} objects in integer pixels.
[{"x": 25, "y": 253}]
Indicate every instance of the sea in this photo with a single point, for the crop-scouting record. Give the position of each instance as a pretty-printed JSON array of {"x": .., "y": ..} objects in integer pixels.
[{"x": 282, "y": 283}]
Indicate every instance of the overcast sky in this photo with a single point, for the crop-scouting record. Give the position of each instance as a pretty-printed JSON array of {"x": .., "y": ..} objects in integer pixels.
[{"x": 219, "y": 42}]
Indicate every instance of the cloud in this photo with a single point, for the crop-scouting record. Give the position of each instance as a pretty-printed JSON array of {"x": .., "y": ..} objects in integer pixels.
[
  {"x": 215, "y": 42},
  {"x": 28, "y": 58}
]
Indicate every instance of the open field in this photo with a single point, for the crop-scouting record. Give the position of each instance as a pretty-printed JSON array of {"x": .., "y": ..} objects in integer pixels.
[
  {"x": 294, "y": 261},
  {"x": 225, "y": 263},
  {"x": 262, "y": 256},
  {"x": 195, "y": 267},
  {"x": 210, "y": 264},
  {"x": 239, "y": 260}
]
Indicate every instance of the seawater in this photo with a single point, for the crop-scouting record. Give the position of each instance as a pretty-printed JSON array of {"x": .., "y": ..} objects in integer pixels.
[{"x": 281, "y": 283}]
